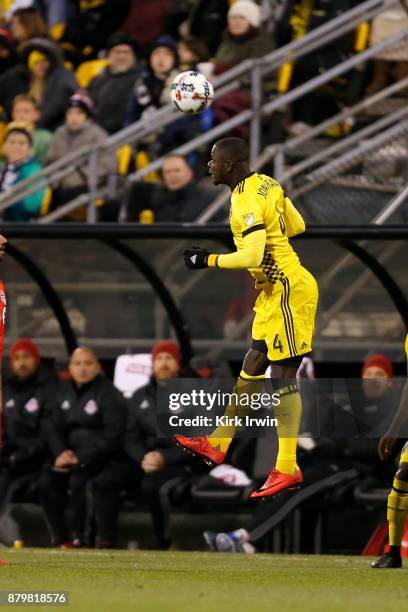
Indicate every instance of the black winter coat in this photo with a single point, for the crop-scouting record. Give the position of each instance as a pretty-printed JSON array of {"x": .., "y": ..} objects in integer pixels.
[
  {"x": 27, "y": 406},
  {"x": 89, "y": 420},
  {"x": 141, "y": 432},
  {"x": 110, "y": 94},
  {"x": 60, "y": 84}
]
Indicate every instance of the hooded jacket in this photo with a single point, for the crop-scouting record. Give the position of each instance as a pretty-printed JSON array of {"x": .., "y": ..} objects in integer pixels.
[{"x": 60, "y": 83}]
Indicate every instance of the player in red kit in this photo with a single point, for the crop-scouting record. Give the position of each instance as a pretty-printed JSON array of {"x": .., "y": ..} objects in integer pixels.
[{"x": 3, "y": 243}]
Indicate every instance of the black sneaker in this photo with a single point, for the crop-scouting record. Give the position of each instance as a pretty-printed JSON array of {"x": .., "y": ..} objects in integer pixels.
[{"x": 387, "y": 561}]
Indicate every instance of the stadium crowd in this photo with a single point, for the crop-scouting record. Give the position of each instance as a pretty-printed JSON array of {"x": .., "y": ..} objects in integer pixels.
[
  {"x": 73, "y": 441},
  {"x": 113, "y": 62}
]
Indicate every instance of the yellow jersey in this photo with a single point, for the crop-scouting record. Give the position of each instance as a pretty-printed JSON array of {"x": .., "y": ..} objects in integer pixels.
[{"x": 259, "y": 203}]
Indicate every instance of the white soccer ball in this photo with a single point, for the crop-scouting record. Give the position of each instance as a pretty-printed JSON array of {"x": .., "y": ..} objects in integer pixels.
[{"x": 191, "y": 92}]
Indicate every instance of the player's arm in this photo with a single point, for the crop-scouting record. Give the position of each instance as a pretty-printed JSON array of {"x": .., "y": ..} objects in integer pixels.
[
  {"x": 249, "y": 214},
  {"x": 293, "y": 219}
]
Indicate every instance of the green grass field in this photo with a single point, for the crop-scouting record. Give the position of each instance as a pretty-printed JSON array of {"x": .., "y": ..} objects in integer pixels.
[{"x": 182, "y": 581}]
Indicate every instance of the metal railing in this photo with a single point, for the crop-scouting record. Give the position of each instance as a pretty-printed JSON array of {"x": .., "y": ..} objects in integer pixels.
[{"x": 230, "y": 80}]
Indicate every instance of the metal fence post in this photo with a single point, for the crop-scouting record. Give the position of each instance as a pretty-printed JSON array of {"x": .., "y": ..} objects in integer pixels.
[
  {"x": 256, "y": 104},
  {"x": 279, "y": 163},
  {"x": 92, "y": 186}
]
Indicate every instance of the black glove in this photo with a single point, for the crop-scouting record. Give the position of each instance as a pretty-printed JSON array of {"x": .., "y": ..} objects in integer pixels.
[{"x": 196, "y": 258}]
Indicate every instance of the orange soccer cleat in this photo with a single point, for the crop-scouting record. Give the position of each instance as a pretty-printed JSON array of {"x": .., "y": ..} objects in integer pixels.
[
  {"x": 201, "y": 446},
  {"x": 278, "y": 481}
]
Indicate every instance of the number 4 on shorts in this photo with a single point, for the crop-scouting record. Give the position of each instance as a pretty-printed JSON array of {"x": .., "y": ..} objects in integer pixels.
[{"x": 277, "y": 344}]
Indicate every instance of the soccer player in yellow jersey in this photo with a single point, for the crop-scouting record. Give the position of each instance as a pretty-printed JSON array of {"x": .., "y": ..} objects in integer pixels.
[
  {"x": 397, "y": 507},
  {"x": 262, "y": 221}
]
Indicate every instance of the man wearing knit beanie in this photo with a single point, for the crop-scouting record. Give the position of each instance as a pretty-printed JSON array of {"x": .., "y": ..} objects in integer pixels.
[
  {"x": 24, "y": 358},
  {"x": 29, "y": 388},
  {"x": 377, "y": 373},
  {"x": 166, "y": 360},
  {"x": 156, "y": 460}
]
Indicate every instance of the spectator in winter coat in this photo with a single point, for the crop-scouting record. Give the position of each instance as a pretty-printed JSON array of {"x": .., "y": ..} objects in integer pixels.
[
  {"x": 26, "y": 110},
  {"x": 85, "y": 434},
  {"x": 110, "y": 89},
  {"x": 179, "y": 199},
  {"x": 243, "y": 40},
  {"x": 28, "y": 394},
  {"x": 78, "y": 130},
  {"x": 158, "y": 460},
  {"x": 152, "y": 87},
  {"x": 28, "y": 23},
  {"x": 41, "y": 74},
  {"x": 19, "y": 165}
]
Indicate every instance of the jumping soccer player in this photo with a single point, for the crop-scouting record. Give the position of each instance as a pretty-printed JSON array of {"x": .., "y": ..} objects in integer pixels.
[
  {"x": 262, "y": 221},
  {"x": 397, "y": 507}
]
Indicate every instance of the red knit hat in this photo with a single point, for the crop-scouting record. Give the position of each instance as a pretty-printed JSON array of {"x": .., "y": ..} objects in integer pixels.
[
  {"x": 379, "y": 361},
  {"x": 25, "y": 344},
  {"x": 166, "y": 347}
]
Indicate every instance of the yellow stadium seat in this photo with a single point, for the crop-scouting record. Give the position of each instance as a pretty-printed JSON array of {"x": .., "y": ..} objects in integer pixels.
[
  {"x": 142, "y": 160},
  {"x": 124, "y": 157},
  {"x": 46, "y": 203},
  {"x": 88, "y": 70}
]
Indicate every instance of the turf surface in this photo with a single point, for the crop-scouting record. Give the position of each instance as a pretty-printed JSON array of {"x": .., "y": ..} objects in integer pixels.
[{"x": 204, "y": 582}]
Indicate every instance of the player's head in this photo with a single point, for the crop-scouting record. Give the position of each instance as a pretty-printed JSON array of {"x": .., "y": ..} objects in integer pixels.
[
  {"x": 377, "y": 373},
  {"x": 24, "y": 358},
  {"x": 84, "y": 365},
  {"x": 3, "y": 242},
  {"x": 229, "y": 158}
]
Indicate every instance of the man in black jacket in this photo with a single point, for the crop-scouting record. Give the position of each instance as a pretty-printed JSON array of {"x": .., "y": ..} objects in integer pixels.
[
  {"x": 158, "y": 460},
  {"x": 110, "y": 89},
  {"x": 27, "y": 395},
  {"x": 85, "y": 434},
  {"x": 179, "y": 199}
]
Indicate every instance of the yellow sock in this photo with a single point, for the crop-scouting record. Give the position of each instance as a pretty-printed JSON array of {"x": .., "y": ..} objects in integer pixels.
[
  {"x": 288, "y": 414},
  {"x": 222, "y": 437},
  {"x": 397, "y": 508}
]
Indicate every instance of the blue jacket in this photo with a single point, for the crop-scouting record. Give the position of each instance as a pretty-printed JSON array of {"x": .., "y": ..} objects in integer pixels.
[{"x": 30, "y": 206}]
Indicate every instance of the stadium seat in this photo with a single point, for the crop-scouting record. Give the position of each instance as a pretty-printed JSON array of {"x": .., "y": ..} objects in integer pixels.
[{"x": 88, "y": 70}]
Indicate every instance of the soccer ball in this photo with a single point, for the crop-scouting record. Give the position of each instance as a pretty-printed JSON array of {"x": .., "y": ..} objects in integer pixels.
[{"x": 191, "y": 92}]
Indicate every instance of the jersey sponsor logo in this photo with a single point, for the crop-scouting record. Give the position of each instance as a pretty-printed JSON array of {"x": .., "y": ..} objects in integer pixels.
[
  {"x": 91, "y": 407},
  {"x": 248, "y": 219},
  {"x": 65, "y": 405},
  {"x": 145, "y": 404},
  {"x": 11, "y": 403},
  {"x": 32, "y": 405}
]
